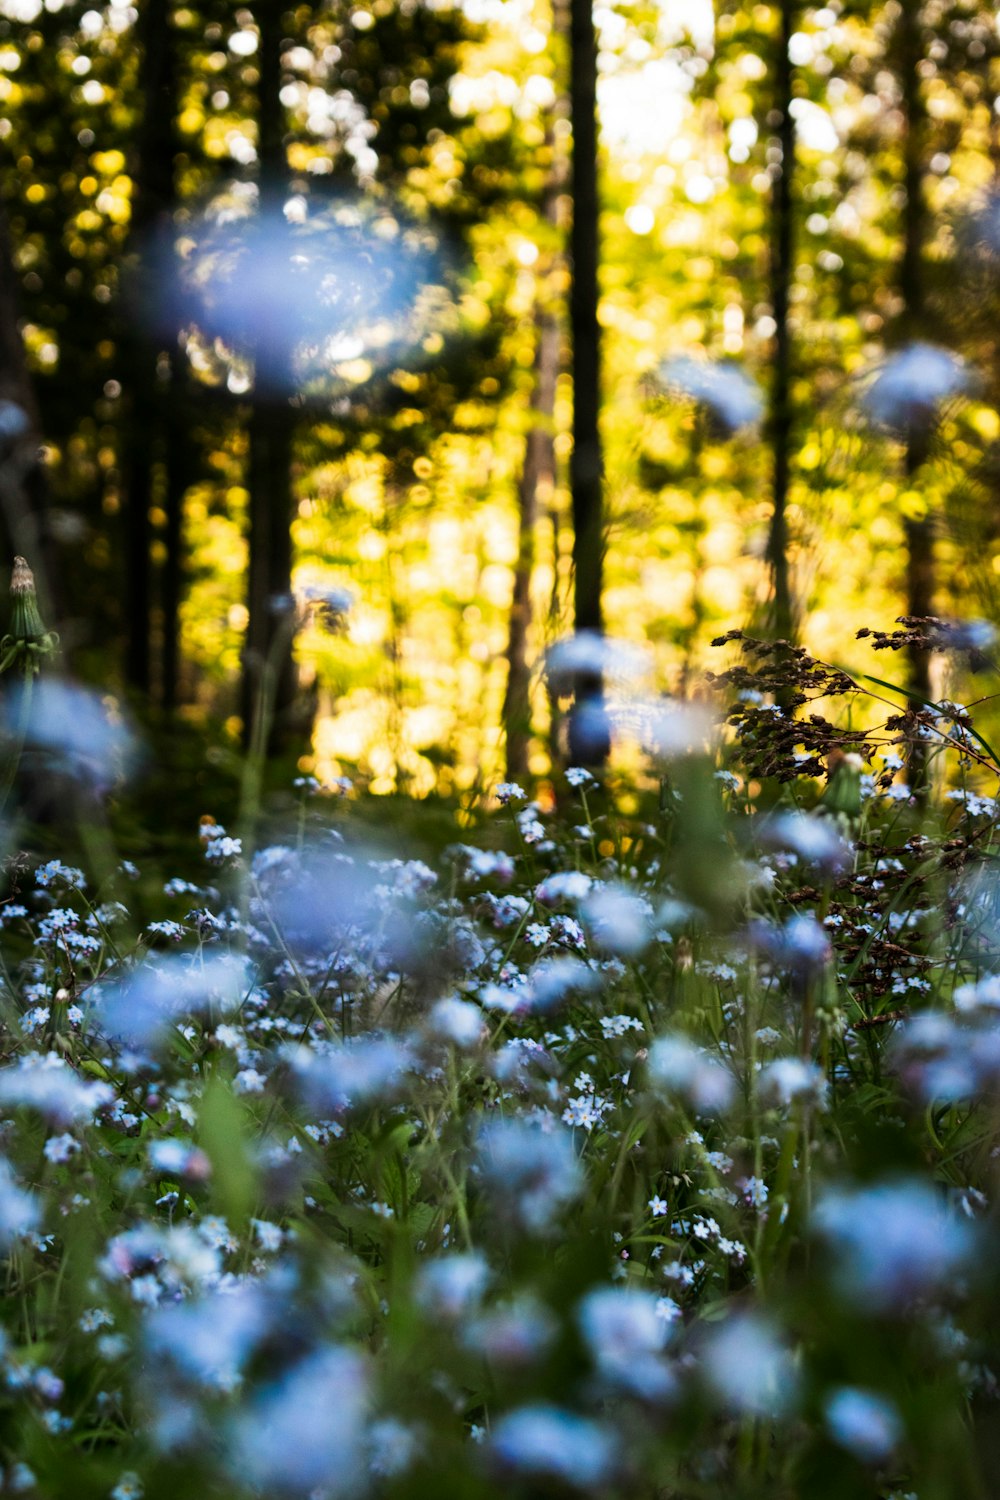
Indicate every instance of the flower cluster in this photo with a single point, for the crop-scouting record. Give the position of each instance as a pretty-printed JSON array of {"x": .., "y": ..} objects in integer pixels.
[{"x": 556, "y": 1163}]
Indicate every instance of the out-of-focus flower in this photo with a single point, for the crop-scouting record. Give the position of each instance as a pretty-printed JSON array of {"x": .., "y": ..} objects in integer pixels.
[
  {"x": 531, "y": 1173},
  {"x": 49, "y": 1085},
  {"x": 457, "y": 1021},
  {"x": 451, "y": 1287},
  {"x": 209, "y": 1340},
  {"x": 939, "y": 1059},
  {"x": 912, "y": 385},
  {"x": 727, "y": 394},
  {"x": 554, "y": 980},
  {"x": 967, "y": 635},
  {"x": 813, "y": 839},
  {"x": 678, "y": 1067},
  {"x": 392, "y": 1446},
  {"x": 589, "y": 654},
  {"x": 512, "y": 1335},
  {"x": 548, "y": 1443},
  {"x": 863, "y": 1422},
  {"x": 19, "y": 1210},
  {"x": 892, "y": 1242},
  {"x": 801, "y": 945},
  {"x": 307, "y": 1431},
  {"x": 617, "y": 920},
  {"x": 750, "y": 1368},
  {"x": 81, "y": 734},
  {"x": 177, "y": 1158},
  {"x": 564, "y": 885},
  {"x": 335, "y": 1078},
  {"x": 579, "y": 778},
  {"x": 328, "y": 603},
  {"x": 307, "y": 298},
  {"x": 140, "y": 1008},
  {"x": 588, "y": 728},
  {"x": 792, "y": 1080},
  {"x": 626, "y": 1337}
]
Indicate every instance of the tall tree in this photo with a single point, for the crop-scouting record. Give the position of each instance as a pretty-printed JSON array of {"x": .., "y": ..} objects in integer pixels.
[
  {"x": 589, "y": 741},
  {"x": 537, "y": 477},
  {"x": 782, "y": 268},
  {"x": 22, "y": 481},
  {"x": 269, "y": 674},
  {"x": 919, "y": 531},
  {"x": 153, "y": 199}
]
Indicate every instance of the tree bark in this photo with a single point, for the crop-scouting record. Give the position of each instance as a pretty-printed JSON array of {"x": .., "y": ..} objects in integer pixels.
[
  {"x": 586, "y": 463},
  {"x": 269, "y": 680},
  {"x": 782, "y": 267},
  {"x": 918, "y": 533},
  {"x": 22, "y": 478},
  {"x": 178, "y": 466},
  {"x": 538, "y": 470},
  {"x": 538, "y": 473},
  {"x": 589, "y": 740},
  {"x": 152, "y": 171}
]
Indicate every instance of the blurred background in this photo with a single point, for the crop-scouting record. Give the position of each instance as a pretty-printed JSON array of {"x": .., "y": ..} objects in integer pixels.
[{"x": 285, "y": 310}]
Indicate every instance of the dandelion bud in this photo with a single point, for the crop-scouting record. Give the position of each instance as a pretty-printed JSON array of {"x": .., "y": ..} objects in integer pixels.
[
  {"x": 27, "y": 641},
  {"x": 25, "y": 621}
]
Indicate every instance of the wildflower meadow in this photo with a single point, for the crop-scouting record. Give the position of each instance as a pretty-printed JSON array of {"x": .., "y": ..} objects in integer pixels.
[
  {"x": 637, "y": 1142},
  {"x": 500, "y": 750}
]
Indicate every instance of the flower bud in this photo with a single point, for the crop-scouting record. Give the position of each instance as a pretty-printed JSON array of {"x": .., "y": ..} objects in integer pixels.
[
  {"x": 27, "y": 641},
  {"x": 25, "y": 622}
]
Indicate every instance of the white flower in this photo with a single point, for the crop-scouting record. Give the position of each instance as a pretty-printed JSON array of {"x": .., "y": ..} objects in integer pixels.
[
  {"x": 59, "y": 1148},
  {"x": 578, "y": 776},
  {"x": 129, "y": 1487},
  {"x": 564, "y": 885}
]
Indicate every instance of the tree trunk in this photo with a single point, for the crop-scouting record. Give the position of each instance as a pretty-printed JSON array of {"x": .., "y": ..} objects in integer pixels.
[
  {"x": 152, "y": 173},
  {"x": 22, "y": 478},
  {"x": 589, "y": 741},
  {"x": 538, "y": 471},
  {"x": 178, "y": 466},
  {"x": 269, "y": 681},
  {"x": 918, "y": 533},
  {"x": 782, "y": 267}
]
